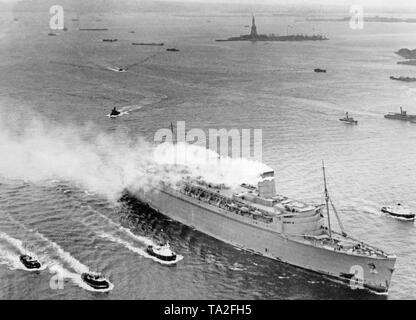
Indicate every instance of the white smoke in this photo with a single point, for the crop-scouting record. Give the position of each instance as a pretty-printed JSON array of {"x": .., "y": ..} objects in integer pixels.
[{"x": 36, "y": 150}]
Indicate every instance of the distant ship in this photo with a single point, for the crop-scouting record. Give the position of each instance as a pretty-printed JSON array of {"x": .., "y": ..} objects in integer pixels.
[
  {"x": 257, "y": 219},
  {"x": 110, "y": 40},
  {"x": 93, "y": 29},
  {"x": 172, "y": 49},
  {"x": 147, "y": 43},
  {"x": 405, "y": 79},
  {"x": 348, "y": 119},
  {"x": 254, "y": 36},
  {"x": 319, "y": 70},
  {"x": 400, "y": 116}
]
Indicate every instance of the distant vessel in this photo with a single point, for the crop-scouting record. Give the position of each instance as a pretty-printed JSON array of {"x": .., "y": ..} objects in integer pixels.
[
  {"x": 110, "y": 40},
  {"x": 172, "y": 49},
  {"x": 319, "y": 70},
  {"x": 400, "y": 116},
  {"x": 95, "y": 280},
  {"x": 114, "y": 112},
  {"x": 405, "y": 79},
  {"x": 399, "y": 211},
  {"x": 51, "y": 33},
  {"x": 117, "y": 69},
  {"x": 263, "y": 222},
  {"x": 348, "y": 119},
  {"x": 162, "y": 252},
  {"x": 29, "y": 262},
  {"x": 93, "y": 29},
  {"x": 147, "y": 44},
  {"x": 254, "y": 36}
]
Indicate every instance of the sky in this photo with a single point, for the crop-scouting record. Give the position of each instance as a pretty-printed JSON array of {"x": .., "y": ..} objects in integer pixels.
[{"x": 403, "y": 4}]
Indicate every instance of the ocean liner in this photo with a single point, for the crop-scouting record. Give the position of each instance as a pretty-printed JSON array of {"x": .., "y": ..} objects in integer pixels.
[{"x": 257, "y": 219}]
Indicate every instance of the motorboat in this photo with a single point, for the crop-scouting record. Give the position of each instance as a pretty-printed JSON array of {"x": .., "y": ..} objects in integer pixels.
[
  {"x": 95, "y": 280},
  {"x": 114, "y": 112},
  {"x": 162, "y": 252},
  {"x": 348, "y": 119},
  {"x": 29, "y": 262},
  {"x": 398, "y": 211}
]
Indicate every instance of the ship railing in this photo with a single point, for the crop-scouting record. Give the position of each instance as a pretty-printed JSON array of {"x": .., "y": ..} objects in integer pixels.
[
  {"x": 230, "y": 205},
  {"x": 356, "y": 247}
]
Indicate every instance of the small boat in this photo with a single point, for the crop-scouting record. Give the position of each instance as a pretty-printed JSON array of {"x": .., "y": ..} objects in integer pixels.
[
  {"x": 319, "y": 70},
  {"x": 114, "y": 112},
  {"x": 29, "y": 262},
  {"x": 95, "y": 280},
  {"x": 147, "y": 43},
  {"x": 51, "y": 33},
  {"x": 405, "y": 79},
  {"x": 117, "y": 69},
  {"x": 162, "y": 252},
  {"x": 400, "y": 116},
  {"x": 398, "y": 211},
  {"x": 348, "y": 119},
  {"x": 172, "y": 49}
]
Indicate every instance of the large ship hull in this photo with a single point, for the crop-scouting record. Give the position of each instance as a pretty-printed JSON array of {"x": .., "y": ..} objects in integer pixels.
[{"x": 361, "y": 272}]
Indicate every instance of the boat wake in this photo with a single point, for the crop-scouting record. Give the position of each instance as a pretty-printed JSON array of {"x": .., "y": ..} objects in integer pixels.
[
  {"x": 50, "y": 254},
  {"x": 54, "y": 249},
  {"x": 372, "y": 211},
  {"x": 109, "y": 230},
  {"x": 139, "y": 251},
  {"x": 116, "y": 69},
  {"x": 122, "y": 113},
  {"x": 147, "y": 101},
  {"x": 12, "y": 261},
  {"x": 12, "y": 258}
]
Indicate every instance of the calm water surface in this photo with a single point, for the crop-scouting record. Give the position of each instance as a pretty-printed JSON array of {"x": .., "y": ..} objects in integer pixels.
[{"x": 59, "y": 182}]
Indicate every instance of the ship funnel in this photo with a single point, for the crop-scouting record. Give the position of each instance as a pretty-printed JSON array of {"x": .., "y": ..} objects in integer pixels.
[{"x": 266, "y": 185}]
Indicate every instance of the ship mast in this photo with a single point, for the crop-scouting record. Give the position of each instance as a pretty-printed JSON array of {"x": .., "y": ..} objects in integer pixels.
[
  {"x": 327, "y": 202},
  {"x": 174, "y": 142}
]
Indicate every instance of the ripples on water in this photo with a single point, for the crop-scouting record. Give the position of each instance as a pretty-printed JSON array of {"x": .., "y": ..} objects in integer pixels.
[{"x": 210, "y": 85}]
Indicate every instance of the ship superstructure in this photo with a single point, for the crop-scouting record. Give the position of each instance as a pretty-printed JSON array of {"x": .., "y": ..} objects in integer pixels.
[{"x": 258, "y": 219}]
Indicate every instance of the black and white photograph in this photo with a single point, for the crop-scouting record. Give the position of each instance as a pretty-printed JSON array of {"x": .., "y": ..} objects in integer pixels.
[{"x": 207, "y": 150}]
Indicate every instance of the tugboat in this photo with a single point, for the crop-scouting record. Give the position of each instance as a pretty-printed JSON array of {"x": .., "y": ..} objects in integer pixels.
[
  {"x": 319, "y": 70},
  {"x": 114, "y": 112},
  {"x": 348, "y": 119},
  {"x": 29, "y": 262},
  {"x": 399, "y": 211},
  {"x": 162, "y": 252},
  {"x": 400, "y": 116},
  {"x": 95, "y": 280},
  {"x": 405, "y": 79}
]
